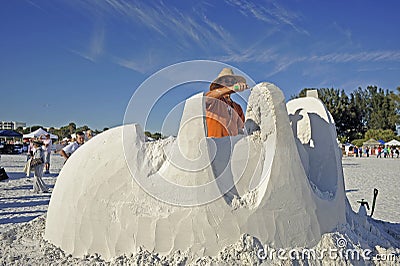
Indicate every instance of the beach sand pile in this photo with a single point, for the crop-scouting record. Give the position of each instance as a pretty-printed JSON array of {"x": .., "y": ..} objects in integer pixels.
[{"x": 22, "y": 243}]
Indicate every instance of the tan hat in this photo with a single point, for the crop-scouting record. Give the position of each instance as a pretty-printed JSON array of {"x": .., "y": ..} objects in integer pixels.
[{"x": 228, "y": 72}]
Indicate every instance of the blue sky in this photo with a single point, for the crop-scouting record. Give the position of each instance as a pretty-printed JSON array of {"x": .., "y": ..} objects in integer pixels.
[{"x": 81, "y": 61}]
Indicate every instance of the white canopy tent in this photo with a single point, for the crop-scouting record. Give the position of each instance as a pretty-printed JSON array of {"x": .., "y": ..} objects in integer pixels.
[
  {"x": 393, "y": 142},
  {"x": 38, "y": 133}
]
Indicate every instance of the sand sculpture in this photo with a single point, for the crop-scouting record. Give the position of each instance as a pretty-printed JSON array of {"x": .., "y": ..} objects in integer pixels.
[{"x": 282, "y": 183}]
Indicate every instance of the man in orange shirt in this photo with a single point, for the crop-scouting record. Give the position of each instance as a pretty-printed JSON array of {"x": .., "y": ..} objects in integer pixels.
[{"x": 224, "y": 117}]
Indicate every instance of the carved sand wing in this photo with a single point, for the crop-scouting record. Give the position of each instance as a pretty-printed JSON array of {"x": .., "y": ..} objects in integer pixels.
[{"x": 282, "y": 183}]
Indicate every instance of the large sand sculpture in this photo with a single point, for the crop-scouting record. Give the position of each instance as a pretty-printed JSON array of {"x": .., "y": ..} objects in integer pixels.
[{"x": 282, "y": 183}]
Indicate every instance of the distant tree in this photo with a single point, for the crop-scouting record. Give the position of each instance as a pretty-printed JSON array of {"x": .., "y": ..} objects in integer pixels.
[
  {"x": 34, "y": 128},
  {"x": 358, "y": 142},
  {"x": 382, "y": 107},
  {"x": 105, "y": 129},
  {"x": 156, "y": 135},
  {"x": 385, "y": 135},
  {"x": 20, "y": 130},
  {"x": 83, "y": 128},
  {"x": 72, "y": 128},
  {"x": 371, "y": 108}
]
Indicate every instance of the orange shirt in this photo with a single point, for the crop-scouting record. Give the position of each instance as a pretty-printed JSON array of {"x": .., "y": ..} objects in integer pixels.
[{"x": 224, "y": 117}]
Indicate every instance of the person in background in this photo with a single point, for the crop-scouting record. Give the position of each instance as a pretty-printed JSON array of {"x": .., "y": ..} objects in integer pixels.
[
  {"x": 379, "y": 152},
  {"x": 30, "y": 150},
  {"x": 355, "y": 150},
  {"x": 68, "y": 150},
  {"x": 367, "y": 151},
  {"x": 48, "y": 143},
  {"x": 224, "y": 117},
  {"x": 38, "y": 184},
  {"x": 385, "y": 152},
  {"x": 89, "y": 135}
]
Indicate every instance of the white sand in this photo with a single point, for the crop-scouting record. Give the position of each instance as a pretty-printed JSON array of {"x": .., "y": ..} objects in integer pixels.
[
  {"x": 364, "y": 174},
  {"x": 18, "y": 203},
  {"x": 21, "y": 242}
]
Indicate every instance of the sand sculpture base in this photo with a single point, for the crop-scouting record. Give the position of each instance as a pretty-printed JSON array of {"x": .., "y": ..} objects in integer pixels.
[{"x": 282, "y": 183}]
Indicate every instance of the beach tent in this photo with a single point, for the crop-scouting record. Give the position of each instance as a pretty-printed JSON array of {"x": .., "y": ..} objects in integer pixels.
[
  {"x": 371, "y": 142},
  {"x": 393, "y": 142},
  {"x": 38, "y": 133},
  {"x": 9, "y": 134},
  {"x": 347, "y": 147}
]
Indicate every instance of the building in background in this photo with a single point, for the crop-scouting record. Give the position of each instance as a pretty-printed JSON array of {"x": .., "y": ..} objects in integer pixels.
[
  {"x": 397, "y": 130},
  {"x": 11, "y": 125}
]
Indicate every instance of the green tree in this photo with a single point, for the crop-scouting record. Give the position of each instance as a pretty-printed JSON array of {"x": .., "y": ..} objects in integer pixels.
[
  {"x": 156, "y": 135},
  {"x": 383, "y": 134},
  {"x": 383, "y": 112},
  {"x": 83, "y": 128},
  {"x": 34, "y": 128},
  {"x": 364, "y": 109},
  {"x": 20, "y": 130},
  {"x": 72, "y": 128}
]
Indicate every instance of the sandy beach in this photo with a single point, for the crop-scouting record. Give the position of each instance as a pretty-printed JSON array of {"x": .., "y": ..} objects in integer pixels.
[
  {"x": 18, "y": 204},
  {"x": 22, "y": 213},
  {"x": 362, "y": 175}
]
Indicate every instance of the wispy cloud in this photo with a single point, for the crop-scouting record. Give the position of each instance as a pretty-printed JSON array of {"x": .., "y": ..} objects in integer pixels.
[
  {"x": 186, "y": 27},
  {"x": 283, "y": 61},
  {"x": 131, "y": 64},
  {"x": 97, "y": 42},
  {"x": 95, "y": 47},
  {"x": 345, "y": 32},
  {"x": 269, "y": 12},
  {"x": 36, "y": 5},
  {"x": 189, "y": 28},
  {"x": 374, "y": 56},
  {"x": 269, "y": 55}
]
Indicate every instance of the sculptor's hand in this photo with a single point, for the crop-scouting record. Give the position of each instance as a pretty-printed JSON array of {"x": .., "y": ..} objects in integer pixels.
[{"x": 238, "y": 87}]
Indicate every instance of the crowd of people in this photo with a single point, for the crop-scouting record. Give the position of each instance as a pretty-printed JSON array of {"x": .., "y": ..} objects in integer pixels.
[
  {"x": 379, "y": 152},
  {"x": 39, "y": 151}
]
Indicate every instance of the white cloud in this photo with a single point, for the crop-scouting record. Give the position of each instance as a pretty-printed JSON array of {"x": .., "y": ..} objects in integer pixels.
[
  {"x": 131, "y": 64},
  {"x": 97, "y": 42},
  {"x": 270, "y": 12},
  {"x": 188, "y": 30},
  {"x": 95, "y": 48},
  {"x": 345, "y": 32},
  {"x": 374, "y": 56}
]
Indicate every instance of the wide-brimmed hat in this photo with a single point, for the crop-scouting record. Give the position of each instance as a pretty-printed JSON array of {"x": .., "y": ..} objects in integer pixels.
[{"x": 228, "y": 73}]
